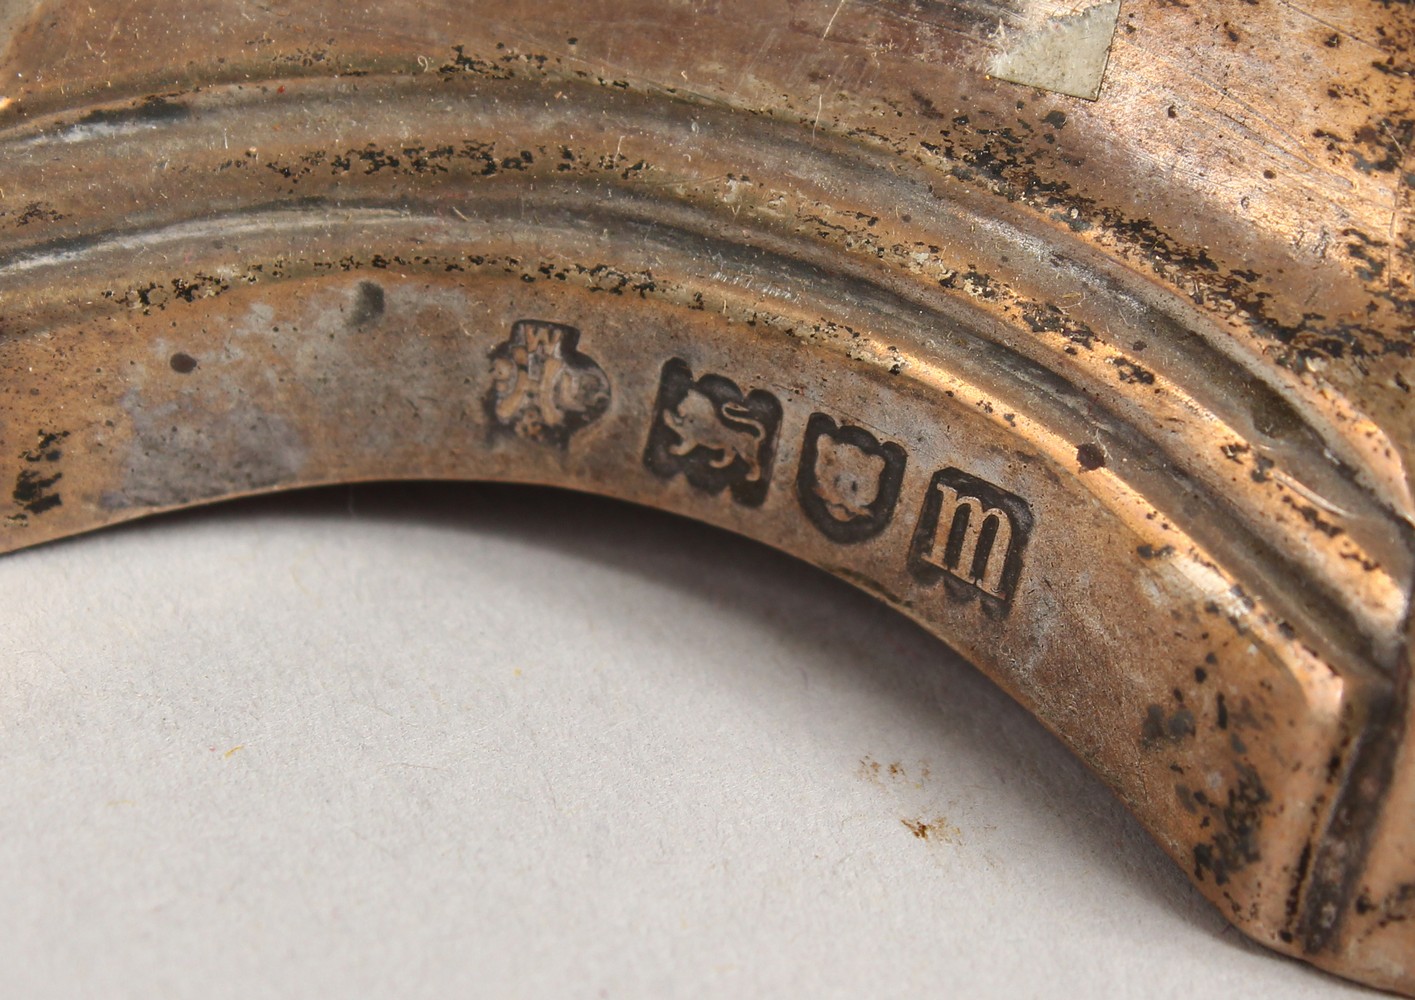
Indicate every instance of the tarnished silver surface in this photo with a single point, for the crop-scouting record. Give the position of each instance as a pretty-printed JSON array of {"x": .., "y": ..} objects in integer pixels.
[{"x": 1112, "y": 395}]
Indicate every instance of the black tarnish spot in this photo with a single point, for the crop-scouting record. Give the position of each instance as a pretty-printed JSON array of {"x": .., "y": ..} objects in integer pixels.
[
  {"x": 1090, "y": 457},
  {"x": 1174, "y": 729},
  {"x": 153, "y": 111},
  {"x": 369, "y": 304},
  {"x": 34, "y": 491},
  {"x": 183, "y": 364},
  {"x": 1237, "y": 824}
]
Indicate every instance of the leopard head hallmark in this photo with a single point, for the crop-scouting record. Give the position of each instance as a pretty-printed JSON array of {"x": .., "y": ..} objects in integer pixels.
[{"x": 849, "y": 480}]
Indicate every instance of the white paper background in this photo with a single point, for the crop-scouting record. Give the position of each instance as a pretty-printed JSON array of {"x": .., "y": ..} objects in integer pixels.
[{"x": 463, "y": 740}]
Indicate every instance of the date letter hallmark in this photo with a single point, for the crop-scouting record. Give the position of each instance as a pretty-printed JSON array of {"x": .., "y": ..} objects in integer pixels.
[
  {"x": 970, "y": 536},
  {"x": 718, "y": 437},
  {"x": 848, "y": 482},
  {"x": 543, "y": 389}
]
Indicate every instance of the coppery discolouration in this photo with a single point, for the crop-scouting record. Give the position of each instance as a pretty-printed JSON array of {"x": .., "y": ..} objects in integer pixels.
[
  {"x": 1125, "y": 383},
  {"x": 859, "y": 235}
]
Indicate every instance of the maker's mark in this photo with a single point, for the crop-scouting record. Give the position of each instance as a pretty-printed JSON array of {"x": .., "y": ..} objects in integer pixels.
[{"x": 543, "y": 388}]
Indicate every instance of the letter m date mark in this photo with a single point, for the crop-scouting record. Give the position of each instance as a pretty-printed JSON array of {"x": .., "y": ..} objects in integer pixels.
[{"x": 970, "y": 536}]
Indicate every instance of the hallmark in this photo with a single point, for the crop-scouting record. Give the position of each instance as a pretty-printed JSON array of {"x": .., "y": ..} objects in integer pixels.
[
  {"x": 849, "y": 481},
  {"x": 715, "y": 435},
  {"x": 543, "y": 388},
  {"x": 970, "y": 536}
]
